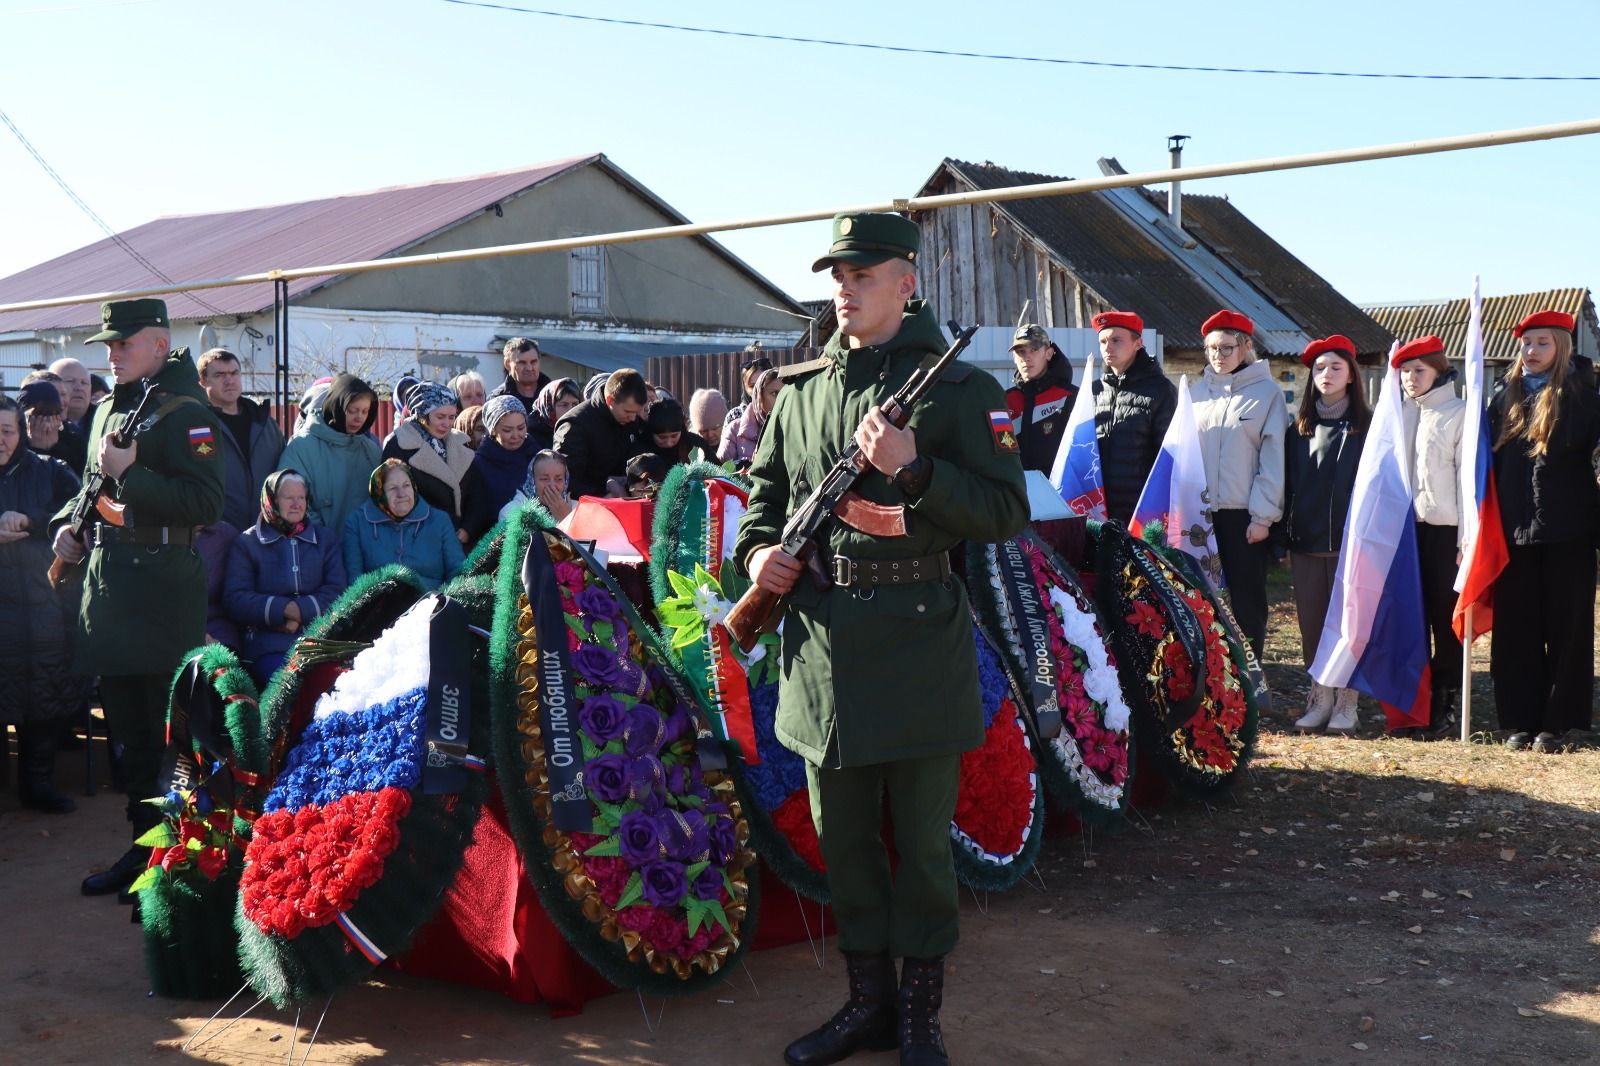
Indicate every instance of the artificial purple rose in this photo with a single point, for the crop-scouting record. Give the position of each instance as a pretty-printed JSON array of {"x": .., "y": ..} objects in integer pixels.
[
  {"x": 598, "y": 666},
  {"x": 630, "y": 678},
  {"x": 607, "y": 776},
  {"x": 640, "y": 838},
  {"x": 646, "y": 778},
  {"x": 664, "y": 882},
  {"x": 596, "y": 603},
  {"x": 602, "y": 718},
  {"x": 683, "y": 834},
  {"x": 643, "y": 730},
  {"x": 679, "y": 725},
  {"x": 707, "y": 884},
  {"x": 677, "y": 779},
  {"x": 724, "y": 839}
]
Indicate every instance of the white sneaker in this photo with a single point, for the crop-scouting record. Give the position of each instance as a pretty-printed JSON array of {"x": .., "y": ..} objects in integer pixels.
[
  {"x": 1318, "y": 708},
  {"x": 1345, "y": 718}
]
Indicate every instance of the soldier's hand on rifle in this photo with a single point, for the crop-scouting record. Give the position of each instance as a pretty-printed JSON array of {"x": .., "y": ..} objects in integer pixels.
[
  {"x": 886, "y": 447},
  {"x": 114, "y": 460},
  {"x": 68, "y": 547},
  {"x": 774, "y": 570}
]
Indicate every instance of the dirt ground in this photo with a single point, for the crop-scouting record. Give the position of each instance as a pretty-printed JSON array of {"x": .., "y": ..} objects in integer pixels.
[{"x": 1352, "y": 900}]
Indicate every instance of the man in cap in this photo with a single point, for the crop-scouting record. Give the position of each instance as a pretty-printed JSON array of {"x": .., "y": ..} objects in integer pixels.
[
  {"x": 1041, "y": 396},
  {"x": 144, "y": 592},
  {"x": 879, "y": 690},
  {"x": 40, "y": 401},
  {"x": 1133, "y": 404}
]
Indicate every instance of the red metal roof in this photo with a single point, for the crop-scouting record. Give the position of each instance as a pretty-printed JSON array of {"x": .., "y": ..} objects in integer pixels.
[{"x": 340, "y": 229}]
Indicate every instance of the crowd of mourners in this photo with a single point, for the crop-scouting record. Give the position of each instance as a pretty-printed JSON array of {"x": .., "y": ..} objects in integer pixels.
[
  {"x": 307, "y": 516},
  {"x": 303, "y": 518}
]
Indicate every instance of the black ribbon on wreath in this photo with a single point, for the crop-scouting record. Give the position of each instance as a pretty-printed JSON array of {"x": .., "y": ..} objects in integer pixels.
[{"x": 1116, "y": 544}]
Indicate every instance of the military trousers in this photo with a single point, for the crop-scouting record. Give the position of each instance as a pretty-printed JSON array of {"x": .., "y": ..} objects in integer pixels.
[
  {"x": 914, "y": 912},
  {"x": 136, "y": 717}
]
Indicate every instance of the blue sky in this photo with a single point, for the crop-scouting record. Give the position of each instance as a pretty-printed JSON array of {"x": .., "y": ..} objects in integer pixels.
[{"x": 157, "y": 107}]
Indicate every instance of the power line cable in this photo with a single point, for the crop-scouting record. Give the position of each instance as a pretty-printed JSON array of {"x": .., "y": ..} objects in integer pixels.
[
  {"x": 1015, "y": 58},
  {"x": 72, "y": 195}
]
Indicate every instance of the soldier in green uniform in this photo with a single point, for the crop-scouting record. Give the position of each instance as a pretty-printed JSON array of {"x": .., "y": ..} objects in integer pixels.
[
  {"x": 144, "y": 587},
  {"x": 879, "y": 690}
]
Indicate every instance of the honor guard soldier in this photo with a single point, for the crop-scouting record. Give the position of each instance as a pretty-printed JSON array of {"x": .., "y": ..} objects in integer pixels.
[
  {"x": 879, "y": 690},
  {"x": 144, "y": 587}
]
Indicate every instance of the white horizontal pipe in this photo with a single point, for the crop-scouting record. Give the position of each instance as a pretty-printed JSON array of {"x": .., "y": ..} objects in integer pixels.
[{"x": 1431, "y": 146}]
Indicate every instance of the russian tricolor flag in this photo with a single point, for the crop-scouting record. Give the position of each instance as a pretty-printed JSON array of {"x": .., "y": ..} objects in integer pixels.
[
  {"x": 1076, "y": 473},
  {"x": 1483, "y": 539},
  {"x": 1175, "y": 492},
  {"x": 1375, "y": 635}
]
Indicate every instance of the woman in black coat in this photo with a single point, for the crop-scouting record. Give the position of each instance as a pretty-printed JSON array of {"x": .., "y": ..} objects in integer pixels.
[
  {"x": 1544, "y": 423},
  {"x": 40, "y": 689}
]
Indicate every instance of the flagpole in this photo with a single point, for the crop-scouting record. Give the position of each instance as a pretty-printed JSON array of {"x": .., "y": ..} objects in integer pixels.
[{"x": 1466, "y": 680}]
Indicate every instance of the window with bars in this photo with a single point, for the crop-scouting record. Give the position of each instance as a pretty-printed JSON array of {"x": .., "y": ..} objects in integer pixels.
[{"x": 588, "y": 281}]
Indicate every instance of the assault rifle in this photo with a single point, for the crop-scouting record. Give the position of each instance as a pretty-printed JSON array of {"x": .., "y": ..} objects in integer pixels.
[
  {"x": 758, "y": 610},
  {"x": 92, "y": 500}
]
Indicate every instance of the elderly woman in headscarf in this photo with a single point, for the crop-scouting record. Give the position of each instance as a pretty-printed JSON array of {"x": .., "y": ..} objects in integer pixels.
[
  {"x": 553, "y": 401},
  {"x": 395, "y": 525},
  {"x": 282, "y": 572},
  {"x": 335, "y": 453},
  {"x": 739, "y": 441},
  {"x": 41, "y": 690},
  {"x": 547, "y": 482},
  {"x": 438, "y": 455},
  {"x": 500, "y": 467}
]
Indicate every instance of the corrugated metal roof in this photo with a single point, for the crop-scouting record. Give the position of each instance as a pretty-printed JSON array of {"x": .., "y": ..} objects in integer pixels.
[
  {"x": 339, "y": 229},
  {"x": 1447, "y": 320}
]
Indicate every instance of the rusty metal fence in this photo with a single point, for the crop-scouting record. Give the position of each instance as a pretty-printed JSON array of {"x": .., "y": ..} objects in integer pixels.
[{"x": 682, "y": 374}]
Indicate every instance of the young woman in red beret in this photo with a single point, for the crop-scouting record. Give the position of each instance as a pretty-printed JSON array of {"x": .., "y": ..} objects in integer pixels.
[
  {"x": 1432, "y": 416},
  {"x": 1321, "y": 452},
  {"x": 1241, "y": 416},
  {"x": 1544, "y": 421}
]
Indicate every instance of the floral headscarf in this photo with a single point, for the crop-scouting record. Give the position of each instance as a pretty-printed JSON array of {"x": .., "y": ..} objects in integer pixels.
[
  {"x": 426, "y": 397},
  {"x": 379, "y": 476},
  {"x": 544, "y": 406},
  {"x": 498, "y": 408},
  {"x": 269, "y": 501}
]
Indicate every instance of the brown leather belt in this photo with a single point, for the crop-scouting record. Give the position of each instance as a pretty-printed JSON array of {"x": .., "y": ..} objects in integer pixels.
[
  {"x": 868, "y": 573},
  {"x": 152, "y": 536}
]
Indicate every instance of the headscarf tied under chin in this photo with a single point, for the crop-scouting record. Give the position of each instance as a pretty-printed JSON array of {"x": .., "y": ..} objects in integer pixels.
[
  {"x": 269, "y": 501},
  {"x": 381, "y": 475},
  {"x": 425, "y": 398}
]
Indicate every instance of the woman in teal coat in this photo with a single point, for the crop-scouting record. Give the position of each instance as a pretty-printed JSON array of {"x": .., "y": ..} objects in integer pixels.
[
  {"x": 397, "y": 526},
  {"x": 335, "y": 453}
]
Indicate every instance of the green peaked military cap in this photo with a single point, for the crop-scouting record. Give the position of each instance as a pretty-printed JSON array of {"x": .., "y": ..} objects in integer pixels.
[
  {"x": 869, "y": 238},
  {"x": 121, "y": 319}
]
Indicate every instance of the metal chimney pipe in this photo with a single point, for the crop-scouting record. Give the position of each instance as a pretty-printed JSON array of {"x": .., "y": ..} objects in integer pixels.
[{"x": 1175, "y": 190}]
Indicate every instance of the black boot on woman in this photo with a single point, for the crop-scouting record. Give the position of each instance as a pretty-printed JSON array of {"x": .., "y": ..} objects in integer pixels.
[
  {"x": 921, "y": 995},
  {"x": 864, "y": 1023}
]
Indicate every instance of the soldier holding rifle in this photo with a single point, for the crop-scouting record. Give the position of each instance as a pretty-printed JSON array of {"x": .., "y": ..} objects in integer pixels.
[
  {"x": 144, "y": 587},
  {"x": 879, "y": 689}
]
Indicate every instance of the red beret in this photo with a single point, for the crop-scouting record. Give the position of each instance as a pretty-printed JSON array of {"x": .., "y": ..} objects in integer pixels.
[
  {"x": 1124, "y": 319},
  {"x": 1336, "y": 342},
  {"x": 1229, "y": 320},
  {"x": 1546, "y": 320},
  {"x": 1429, "y": 345}
]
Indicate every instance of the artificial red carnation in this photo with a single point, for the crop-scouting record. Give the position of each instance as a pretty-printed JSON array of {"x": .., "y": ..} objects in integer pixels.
[
  {"x": 994, "y": 802},
  {"x": 793, "y": 820}
]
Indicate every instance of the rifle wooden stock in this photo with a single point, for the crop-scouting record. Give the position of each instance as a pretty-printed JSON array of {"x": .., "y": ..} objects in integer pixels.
[
  {"x": 58, "y": 572},
  {"x": 757, "y": 612}
]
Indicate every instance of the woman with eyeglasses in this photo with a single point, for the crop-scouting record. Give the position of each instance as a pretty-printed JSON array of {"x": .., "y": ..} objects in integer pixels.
[{"x": 1241, "y": 416}]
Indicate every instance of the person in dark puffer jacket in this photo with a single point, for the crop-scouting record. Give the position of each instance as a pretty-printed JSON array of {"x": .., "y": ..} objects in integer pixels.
[
  {"x": 1041, "y": 396},
  {"x": 1321, "y": 452},
  {"x": 1545, "y": 425},
  {"x": 1133, "y": 404},
  {"x": 600, "y": 435}
]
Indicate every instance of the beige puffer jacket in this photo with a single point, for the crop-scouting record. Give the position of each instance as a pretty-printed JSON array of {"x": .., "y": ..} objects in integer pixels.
[
  {"x": 1241, "y": 418},
  {"x": 1433, "y": 425}
]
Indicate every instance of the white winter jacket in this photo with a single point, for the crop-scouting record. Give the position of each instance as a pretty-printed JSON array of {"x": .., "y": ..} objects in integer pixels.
[
  {"x": 1433, "y": 425},
  {"x": 1241, "y": 418}
]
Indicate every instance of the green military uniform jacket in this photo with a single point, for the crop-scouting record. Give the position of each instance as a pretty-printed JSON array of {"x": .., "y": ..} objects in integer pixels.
[
  {"x": 144, "y": 605},
  {"x": 866, "y": 681}
]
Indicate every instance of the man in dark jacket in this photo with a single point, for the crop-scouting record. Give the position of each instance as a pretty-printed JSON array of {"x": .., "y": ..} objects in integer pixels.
[
  {"x": 599, "y": 436},
  {"x": 43, "y": 413},
  {"x": 251, "y": 441},
  {"x": 1133, "y": 403},
  {"x": 524, "y": 379},
  {"x": 1041, "y": 396},
  {"x": 144, "y": 588}
]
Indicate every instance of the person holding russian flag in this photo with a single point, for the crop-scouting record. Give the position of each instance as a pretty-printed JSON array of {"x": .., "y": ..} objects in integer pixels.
[
  {"x": 1432, "y": 416},
  {"x": 1322, "y": 451},
  {"x": 1545, "y": 425},
  {"x": 1133, "y": 404},
  {"x": 1241, "y": 416}
]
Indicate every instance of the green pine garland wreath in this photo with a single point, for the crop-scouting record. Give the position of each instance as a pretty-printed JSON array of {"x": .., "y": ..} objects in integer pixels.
[
  {"x": 434, "y": 834},
  {"x": 535, "y": 838}
]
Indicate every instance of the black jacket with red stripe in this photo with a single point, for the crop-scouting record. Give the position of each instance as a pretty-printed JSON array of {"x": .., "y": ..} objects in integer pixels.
[{"x": 1039, "y": 411}]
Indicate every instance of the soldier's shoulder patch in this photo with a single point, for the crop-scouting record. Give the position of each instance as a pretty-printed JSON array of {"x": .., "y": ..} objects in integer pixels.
[
  {"x": 1002, "y": 430},
  {"x": 202, "y": 441}
]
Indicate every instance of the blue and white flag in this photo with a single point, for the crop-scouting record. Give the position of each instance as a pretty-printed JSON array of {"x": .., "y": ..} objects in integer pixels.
[
  {"x": 1175, "y": 493},
  {"x": 1076, "y": 473}
]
